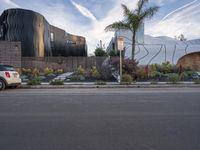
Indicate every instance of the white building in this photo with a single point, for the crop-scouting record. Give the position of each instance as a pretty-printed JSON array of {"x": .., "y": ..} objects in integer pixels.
[{"x": 154, "y": 49}]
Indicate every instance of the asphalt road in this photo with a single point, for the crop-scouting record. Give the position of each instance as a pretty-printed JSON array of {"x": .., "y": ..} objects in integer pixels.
[{"x": 100, "y": 119}]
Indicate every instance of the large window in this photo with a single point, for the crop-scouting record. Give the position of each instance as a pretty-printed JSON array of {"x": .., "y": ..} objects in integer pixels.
[{"x": 52, "y": 37}]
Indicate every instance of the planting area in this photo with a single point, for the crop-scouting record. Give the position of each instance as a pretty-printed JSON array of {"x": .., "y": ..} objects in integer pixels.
[{"x": 132, "y": 72}]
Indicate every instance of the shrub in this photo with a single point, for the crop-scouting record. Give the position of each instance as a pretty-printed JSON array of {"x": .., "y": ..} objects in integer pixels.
[
  {"x": 60, "y": 71},
  {"x": 156, "y": 74},
  {"x": 106, "y": 73},
  {"x": 95, "y": 73},
  {"x": 26, "y": 71},
  {"x": 184, "y": 76},
  {"x": 129, "y": 66},
  {"x": 141, "y": 73},
  {"x": 48, "y": 71},
  {"x": 112, "y": 53},
  {"x": 100, "y": 52},
  {"x": 57, "y": 82},
  {"x": 173, "y": 78},
  {"x": 80, "y": 71},
  {"x": 35, "y": 72},
  {"x": 126, "y": 78},
  {"x": 164, "y": 68},
  {"x": 76, "y": 78},
  {"x": 34, "y": 81}
]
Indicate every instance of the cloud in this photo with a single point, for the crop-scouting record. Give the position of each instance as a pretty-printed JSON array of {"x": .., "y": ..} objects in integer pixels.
[
  {"x": 184, "y": 20},
  {"x": 10, "y": 3},
  {"x": 177, "y": 10},
  {"x": 162, "y": 2},
  {"x": 84, "y": 11}
]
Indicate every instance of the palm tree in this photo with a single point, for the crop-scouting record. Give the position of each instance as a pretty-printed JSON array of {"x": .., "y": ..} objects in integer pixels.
[{"x": 133, "y": 20}]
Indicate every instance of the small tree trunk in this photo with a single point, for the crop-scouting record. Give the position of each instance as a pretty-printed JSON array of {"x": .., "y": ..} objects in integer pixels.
[{"x": 133, "y": 45}]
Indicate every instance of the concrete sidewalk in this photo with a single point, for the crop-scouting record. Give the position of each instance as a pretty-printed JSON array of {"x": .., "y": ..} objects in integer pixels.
[{"x": 113, "y": 85}]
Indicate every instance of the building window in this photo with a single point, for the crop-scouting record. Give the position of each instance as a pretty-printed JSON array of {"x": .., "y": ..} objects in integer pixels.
[
  {"x": 52, "y": 37},
  {"x": 70, "y": 42}
]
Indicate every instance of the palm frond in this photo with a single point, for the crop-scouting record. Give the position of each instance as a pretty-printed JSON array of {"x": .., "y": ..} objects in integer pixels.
[
  {"x": 116, "y": 26},
  {"x": 126, "y": 10},
  {"x": 140, "y": 5},
  {"x": 149, "y": 12}
]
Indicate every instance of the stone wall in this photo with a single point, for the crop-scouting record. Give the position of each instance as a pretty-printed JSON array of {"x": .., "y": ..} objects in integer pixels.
[
  {"x": 65, "y": 63},
  {"x": 191, "y": 60},
  {"x": 10, "y": 53}
]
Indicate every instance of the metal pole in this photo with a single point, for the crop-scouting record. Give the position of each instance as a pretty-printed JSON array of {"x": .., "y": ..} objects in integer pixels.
[{"x": 120, "y": 66}]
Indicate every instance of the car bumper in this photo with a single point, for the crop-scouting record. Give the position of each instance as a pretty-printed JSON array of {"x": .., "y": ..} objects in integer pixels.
[{"x": 13, "y": 82}]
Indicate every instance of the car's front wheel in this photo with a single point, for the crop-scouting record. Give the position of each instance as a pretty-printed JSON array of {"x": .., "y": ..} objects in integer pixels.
[{"x": 2, "y": 85}]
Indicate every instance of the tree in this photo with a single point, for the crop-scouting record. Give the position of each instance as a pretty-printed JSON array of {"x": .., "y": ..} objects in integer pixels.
[
  {"x": 133, "y": 20},
  {"x": 100, "y": 52},
  {"x": 181, "y": 37}
]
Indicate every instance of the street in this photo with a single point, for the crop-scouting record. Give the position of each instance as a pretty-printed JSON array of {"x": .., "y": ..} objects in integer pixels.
[{"x": 100, "y": 119}]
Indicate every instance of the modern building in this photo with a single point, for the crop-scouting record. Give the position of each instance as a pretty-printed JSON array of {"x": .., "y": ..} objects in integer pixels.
[
  {"x": 38, "y": 38},
  {"x": 127, "y": 35},
  {"x": 151, "y": 49}
]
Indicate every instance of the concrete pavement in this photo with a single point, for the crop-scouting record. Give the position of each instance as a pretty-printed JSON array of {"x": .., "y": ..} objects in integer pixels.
[{"x": 100, "y": 119}]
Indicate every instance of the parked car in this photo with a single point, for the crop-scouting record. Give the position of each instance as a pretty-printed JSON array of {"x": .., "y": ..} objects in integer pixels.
[{"x": 9, "y": 77}]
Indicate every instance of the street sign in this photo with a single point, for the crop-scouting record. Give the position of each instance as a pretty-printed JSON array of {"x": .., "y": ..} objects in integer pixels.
[{"x": 120, "y": 43}]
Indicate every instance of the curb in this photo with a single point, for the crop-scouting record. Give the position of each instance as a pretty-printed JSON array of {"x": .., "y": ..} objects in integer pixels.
[{"x": 110, "y": 86}]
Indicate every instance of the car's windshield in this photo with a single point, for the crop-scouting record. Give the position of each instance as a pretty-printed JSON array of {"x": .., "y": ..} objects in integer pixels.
[{"x": 8, "y": 68}]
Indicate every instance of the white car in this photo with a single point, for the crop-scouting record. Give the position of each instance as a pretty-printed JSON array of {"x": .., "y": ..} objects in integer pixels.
[{"x": 9, "y": 77}]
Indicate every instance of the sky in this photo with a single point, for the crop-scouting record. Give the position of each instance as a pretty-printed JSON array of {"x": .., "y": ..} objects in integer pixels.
[{"x": 89, "y": 18}]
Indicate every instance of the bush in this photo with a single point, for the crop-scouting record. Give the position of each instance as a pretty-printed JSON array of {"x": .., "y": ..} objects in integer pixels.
[
  {"x": 114, "y": 53},
  {"x": 48, "y": 71},
  {"x": 76, "y": 78},
  {"x": 95, "y": 73},
  {"x": 156, "y": 74},
  {"x": 129, "y": 66},
  {"x": 106, "y": 73},
  {"x": 26, "y": 71},
  {"x": 80, "y": 71},
  {"x": 57, "y": 82},
  {"x": 141, "y": 73},
  {"x": 60, "y": 71},
  {"x": 34, "y": 81},
  {"x": 126, "y": 78},
  {"x": 100, "y": 52},
  {"x": 173, "y": 78},
  {"x": 35, "y": 72},
  {"x": 164, "y": 68},
  {"x": 184, "y": 76}
]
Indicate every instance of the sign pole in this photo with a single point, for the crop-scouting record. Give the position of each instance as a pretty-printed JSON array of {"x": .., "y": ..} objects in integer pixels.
[
  {"x": 120, "y": 42},
  {"x": 120, "y": 66}
]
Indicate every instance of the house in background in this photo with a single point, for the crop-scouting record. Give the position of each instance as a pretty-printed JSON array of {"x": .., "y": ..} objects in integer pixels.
[{"x": 38, "y": 38}]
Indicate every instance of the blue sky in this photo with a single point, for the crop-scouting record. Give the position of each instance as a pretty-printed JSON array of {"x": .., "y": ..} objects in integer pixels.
[{"x": 89, "y": 17}]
